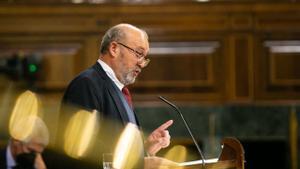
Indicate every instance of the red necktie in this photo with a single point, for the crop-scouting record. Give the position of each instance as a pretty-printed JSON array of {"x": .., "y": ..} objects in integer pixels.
[{"x": 127, "y": 95}]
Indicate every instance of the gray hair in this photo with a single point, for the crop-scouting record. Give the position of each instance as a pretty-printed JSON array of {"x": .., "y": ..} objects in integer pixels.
[
  {"x": 39, "y": 131},
  {"x": 115, "y": 33}
]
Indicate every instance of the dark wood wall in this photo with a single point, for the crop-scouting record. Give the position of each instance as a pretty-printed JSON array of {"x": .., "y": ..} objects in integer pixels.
[
  {"x": 208, "y": 52},
  {"x": 214, "y": 53}
]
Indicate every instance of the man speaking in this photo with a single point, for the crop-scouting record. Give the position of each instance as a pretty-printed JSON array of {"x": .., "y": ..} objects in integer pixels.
[{"x": 102, "y": 87}]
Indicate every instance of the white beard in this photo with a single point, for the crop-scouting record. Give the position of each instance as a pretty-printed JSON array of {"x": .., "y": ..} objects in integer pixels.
[{"x": 128, "y": 78}]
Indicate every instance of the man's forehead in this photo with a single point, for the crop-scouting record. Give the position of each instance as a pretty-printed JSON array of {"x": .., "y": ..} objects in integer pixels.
[
  {"x": 36, "y": 142},
  {"x": 134, "y": 33},
  {"x": 37, "y": 147},
  {"x": 138, "y": 37}
]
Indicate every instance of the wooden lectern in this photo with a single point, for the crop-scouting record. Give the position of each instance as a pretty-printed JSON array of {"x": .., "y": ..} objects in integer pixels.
[{"x": 231, "y": 157}]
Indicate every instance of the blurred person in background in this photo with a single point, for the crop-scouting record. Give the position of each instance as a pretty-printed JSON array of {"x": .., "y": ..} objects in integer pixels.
[
  {"x": 102, "y": 87},
  {"x": 26, "y": 153}
]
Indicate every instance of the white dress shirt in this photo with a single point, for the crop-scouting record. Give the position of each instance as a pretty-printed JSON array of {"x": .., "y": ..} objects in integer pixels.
[
  {"x": 10, "y": 162},
  {"x": 111, "y": 74}
]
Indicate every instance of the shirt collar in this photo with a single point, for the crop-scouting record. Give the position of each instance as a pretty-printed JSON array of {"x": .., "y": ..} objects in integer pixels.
[
  {"x": 111, "y": 74},
  {"x": 9, "y": 158}
]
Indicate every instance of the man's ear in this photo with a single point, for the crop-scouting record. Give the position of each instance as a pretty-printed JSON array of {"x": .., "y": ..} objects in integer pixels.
[{"x": 113, "y": 49}]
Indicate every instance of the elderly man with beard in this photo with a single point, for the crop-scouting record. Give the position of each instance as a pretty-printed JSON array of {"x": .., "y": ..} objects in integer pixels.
[{"x": 102, "y": 87}]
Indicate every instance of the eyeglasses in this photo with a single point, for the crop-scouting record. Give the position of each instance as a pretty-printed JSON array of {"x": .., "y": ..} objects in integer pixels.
[{"x": 141, "y": 57}]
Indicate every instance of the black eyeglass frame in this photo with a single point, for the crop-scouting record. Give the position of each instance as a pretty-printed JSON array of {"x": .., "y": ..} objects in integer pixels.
[{"x": 141, "y": 57}]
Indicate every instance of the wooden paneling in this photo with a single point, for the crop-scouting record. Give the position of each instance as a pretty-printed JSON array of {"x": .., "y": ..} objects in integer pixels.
[
  {"x": 58, "y": 69},
  {"x": 278, "y": 22},
  {"x": 240, "y": 67},
  {"x": 183, "y": 68},
  {"x": 242, "y": 21},
  {"x": 57, "y": 61},
  {"x": 48, "y": 23},
  {"x": 284, "y": 69},
  {"x": 278, "y": 75},
  {"x": 177, "y": 22},
  {"x": 234, "y": 59}
]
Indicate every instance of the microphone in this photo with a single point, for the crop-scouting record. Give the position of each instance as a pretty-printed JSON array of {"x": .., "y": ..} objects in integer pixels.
[{"x": 187, "y": 127}]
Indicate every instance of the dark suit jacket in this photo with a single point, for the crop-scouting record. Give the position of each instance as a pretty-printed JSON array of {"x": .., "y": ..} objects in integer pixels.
[
  {"x": 3, "y": 158},
  {"x": 93, "y": 89}
]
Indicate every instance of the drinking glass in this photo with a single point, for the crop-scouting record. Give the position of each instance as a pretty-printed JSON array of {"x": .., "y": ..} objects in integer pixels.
[{"x": 108, "y": 161}]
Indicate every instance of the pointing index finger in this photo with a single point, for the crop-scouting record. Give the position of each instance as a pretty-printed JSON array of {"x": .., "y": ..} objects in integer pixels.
[{"x": 165, "y": 125}]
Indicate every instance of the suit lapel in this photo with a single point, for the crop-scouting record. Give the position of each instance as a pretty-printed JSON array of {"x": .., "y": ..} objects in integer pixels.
[{"x": 112, "y": 89}]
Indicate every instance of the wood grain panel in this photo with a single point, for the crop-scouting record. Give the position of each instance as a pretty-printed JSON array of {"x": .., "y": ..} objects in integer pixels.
[
  {"x": 241, "y": 21},
  {"x": 177, "y": 22},
  {"x": 47, "y": 23},
  {"x": 228, "y": 70},
  {"x": 57, "y": 60},
  {"x": 241, "y": 67},
  {"x": 175, "y": 72},
  {"x": 278, "y": 22},
  {"x": 183, "y": 67},
  {"x": 57, "y": 68},
  {"x": 278, "y": 75},
  {"x": 284, "y": 63}
]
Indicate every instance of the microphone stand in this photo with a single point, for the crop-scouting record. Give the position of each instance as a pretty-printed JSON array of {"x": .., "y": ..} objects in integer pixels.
[{"x": 187, "y": 126}]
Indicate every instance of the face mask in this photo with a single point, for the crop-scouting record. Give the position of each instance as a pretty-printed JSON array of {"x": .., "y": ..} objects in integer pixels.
[{"x": 25, "y": 160}]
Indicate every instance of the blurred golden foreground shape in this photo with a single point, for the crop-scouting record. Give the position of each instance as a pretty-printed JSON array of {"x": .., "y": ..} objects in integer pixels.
[
  {"x": 177, "y": 153},
  {"x": 79, "y": 133},
  {"x": 20, "y": 126},
  {"x": 129, "y": 148}
]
